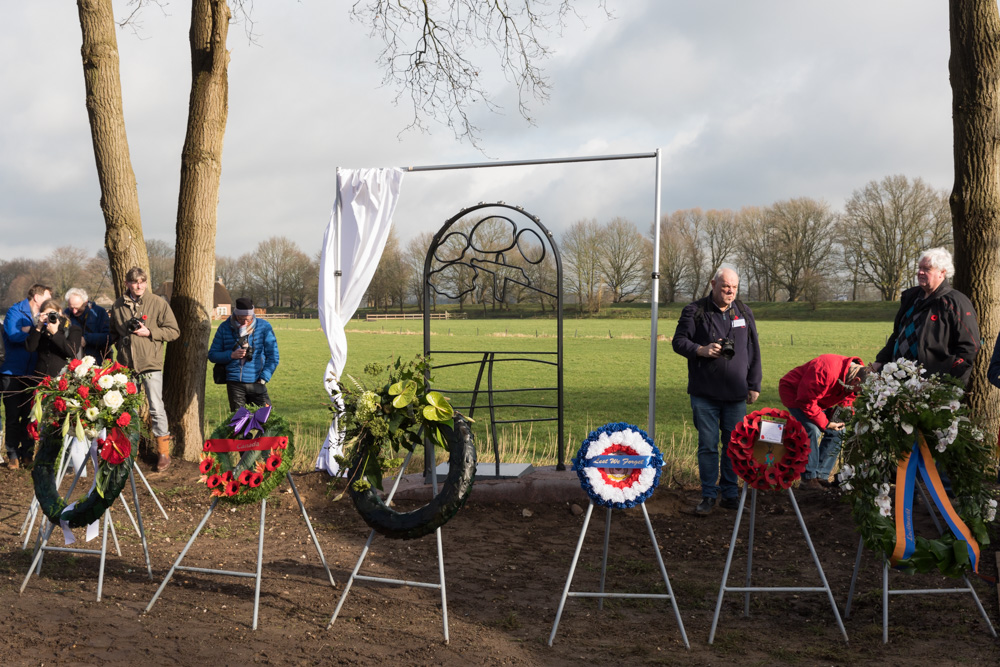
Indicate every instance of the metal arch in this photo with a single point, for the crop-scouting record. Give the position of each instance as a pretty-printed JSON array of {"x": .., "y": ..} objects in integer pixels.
[{"x": 495, "y": 266}]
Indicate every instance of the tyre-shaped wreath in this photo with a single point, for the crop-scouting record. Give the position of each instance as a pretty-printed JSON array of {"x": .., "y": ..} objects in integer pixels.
[
  {"x": 89, "y": 509},
  {"x": 423, "y": 520}
]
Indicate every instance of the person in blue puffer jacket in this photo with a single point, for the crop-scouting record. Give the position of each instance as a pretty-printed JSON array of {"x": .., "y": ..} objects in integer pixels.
[{"x": 248, "y": 348}]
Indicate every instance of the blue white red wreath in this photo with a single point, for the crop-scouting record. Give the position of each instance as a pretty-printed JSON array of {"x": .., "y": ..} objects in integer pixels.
[{"x": 618, "y": 465}]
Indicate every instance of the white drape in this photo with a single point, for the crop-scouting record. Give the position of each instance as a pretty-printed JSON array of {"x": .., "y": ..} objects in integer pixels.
[{"x": 353, "y": 244}]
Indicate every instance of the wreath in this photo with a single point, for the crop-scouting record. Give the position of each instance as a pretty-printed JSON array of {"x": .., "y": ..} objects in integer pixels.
[
  {"x": 402, "y": 413},
  {"x": 618, "y": 466},
  {"x": 768, "y": 465},
  {"x": 96, "y": 403},
  {"x": 244, "y": 460},
  {"x": 906, "y": 427}
]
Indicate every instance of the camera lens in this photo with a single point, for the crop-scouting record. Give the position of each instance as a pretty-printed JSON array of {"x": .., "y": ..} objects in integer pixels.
[
  {"x": 728, "y": 348},
  {"x": 52, "y": 318}
]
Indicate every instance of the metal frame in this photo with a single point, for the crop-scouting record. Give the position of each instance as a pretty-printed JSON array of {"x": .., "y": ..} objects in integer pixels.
[
  {"x": 399, "y": 582},
  {"x": 886, "y": 591},
  {"x": 256, "y": 574},
  {"x": 655, "y": 274},
  {"x": 747, "y": 589},
  {"x": 600, "y": 595},
  {"x": 43, "y": 538}
]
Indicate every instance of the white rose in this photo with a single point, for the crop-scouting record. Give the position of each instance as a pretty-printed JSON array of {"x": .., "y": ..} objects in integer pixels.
[
  {"x": 106, "y": 382},
  {"x": 113, "y": 399},
  {"x": 81, "y": 370},
  {"x": 120, "y": 379},
  {"x": 92, "y": 413}
]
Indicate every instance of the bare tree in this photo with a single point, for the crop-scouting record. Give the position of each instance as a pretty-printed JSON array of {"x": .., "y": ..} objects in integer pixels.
[
  {"x": 673, "y": 258},
  {"x": 885, "y": 226},
  {"x": 755, "y": 254},
  {"x": 581, "y": 263},
  {"x": 796, "y": 243},
  {"x": 161, "y": 262},
  {"x": 624, "y": 257},
  {"x": 692, "y": 231},
  {"x": 721, "y": 235},
  {"x": 67, "y": 266}
]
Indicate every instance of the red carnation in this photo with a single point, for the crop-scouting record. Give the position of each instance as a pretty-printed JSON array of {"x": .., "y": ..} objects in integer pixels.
[
  {"x": 74, "y": 363},
  {"x": 130, "y": 388},
  {"x": 214, "y": 481},
  {"x": 116, "y": 448},
  {"x": 63, "y": 385},
  {"x": 244, "y": 477},
  {"x": 84, "y": 391},
  {"x": 232, "y": 488},
  {"x": 206, "y": 466},
  {"x": 255, "y": 480},
  {"x": 227, "y": 476},
  {"x": 59, "y": 404},
  {"x": 33, "y": 430},
  {"x": 273, "y": 462},
  {"x": 124, "y": 419},
  {"x": 46, "y": 381}
]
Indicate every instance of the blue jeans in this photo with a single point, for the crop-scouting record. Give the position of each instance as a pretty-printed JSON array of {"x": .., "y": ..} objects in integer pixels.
[
  {"x": 715, "y": 419},
  {"x": 824, "y": 447}
]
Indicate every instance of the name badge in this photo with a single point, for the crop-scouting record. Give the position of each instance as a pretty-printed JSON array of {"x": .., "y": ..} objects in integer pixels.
[{"x": 740, "y": 322}]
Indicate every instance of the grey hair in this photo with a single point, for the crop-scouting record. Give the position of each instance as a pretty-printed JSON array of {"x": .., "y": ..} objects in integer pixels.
[
  {"x": 939, "y": 258},
  {"x": 76, "y": 291},
  {"x": 718, "y": 272}
]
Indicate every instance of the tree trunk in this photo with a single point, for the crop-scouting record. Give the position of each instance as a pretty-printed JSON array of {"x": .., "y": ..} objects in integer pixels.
[
  {"x": 194, "y": 263},
  {"x": 975, "y": 199},
  {"x": 119, "y": 194}
]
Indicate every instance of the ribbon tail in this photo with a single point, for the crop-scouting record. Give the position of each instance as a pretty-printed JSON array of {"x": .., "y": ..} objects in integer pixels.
[
  {"x": 906, "y": 475},
  {"x": 935, "y": 487}
]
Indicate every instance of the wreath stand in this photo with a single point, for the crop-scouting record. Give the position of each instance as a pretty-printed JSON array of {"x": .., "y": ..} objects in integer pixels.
[
  {"x": 886, "y": 591},
  {"x": 29, "y": 520},
  {"x": 748, "y": 589},
  {"x": 260, "y": 553},
  {"x": 400, "y": 582},
  {"x": 604, "y": 567},
  {"x": 43, "y": 537}
]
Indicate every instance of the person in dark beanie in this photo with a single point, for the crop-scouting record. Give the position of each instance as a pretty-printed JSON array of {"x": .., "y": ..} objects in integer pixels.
[{"x": 249, "y": 349}]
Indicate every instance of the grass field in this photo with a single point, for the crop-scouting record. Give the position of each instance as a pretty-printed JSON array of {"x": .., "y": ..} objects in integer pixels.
[{"x": 606, "y": 373}]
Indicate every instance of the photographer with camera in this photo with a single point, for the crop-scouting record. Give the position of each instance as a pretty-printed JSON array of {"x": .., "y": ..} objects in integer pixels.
[
  {"x": 141, "y": 322},
  {"x": 718, "y": 336},
  {"x": 54, "y": 339},
  {"x": 92, "y": 320},
  {"x": 249, "y": 350},
  {"x": 814, "y": 394},
  {"x": 16, "y": 374}
]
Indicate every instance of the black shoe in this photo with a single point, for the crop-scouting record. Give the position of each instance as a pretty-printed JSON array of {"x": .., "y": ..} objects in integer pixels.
[
  {"x": 705, "y": 507},
  {"x": 729, "y": 503}
]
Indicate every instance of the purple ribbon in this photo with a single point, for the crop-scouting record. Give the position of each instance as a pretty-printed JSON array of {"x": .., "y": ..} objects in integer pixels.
[{"x": 248, "y": 421}]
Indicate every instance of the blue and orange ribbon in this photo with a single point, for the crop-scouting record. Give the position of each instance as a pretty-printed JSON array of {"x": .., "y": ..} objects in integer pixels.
[{"x": 919, "y": 459}]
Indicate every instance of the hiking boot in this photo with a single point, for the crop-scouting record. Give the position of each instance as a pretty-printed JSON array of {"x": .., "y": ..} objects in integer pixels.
[
  {"x": 163, "y": 449},
  {"x": 729, "y": 503},
  {"x": 705, "y": 507},
  {"x": 13, "y": 463}
]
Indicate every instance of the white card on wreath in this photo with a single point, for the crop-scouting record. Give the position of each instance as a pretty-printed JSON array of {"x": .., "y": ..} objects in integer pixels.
[{"x": 771, "y": 431}]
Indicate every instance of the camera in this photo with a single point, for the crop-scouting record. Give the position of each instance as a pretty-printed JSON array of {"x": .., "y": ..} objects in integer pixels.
[
  {"x": 728, "y": 350},
  {"x": 244, "y": 343},
  {"x": 133, "y": 324},
  {"x": 52, "y": 318}
]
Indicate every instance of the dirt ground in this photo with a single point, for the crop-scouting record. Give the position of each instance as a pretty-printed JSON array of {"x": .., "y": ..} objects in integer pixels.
[{"x": 506, "y": 565}]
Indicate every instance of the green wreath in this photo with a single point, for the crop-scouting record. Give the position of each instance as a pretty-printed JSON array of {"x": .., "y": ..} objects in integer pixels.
[
  {"x": 250, "y": 476},
  {"x": 445, "y": 505},
  {"x": 107, "y": 488},
  {"x": 895, "y": 409}
]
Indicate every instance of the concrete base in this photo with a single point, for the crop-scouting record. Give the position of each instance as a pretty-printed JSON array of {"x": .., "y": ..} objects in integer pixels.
[
  {"x": 486, "y": 471},
  {"x": 539, "y": 485}
]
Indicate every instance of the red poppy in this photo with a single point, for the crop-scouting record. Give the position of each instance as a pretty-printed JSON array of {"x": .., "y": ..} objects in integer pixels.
[
  {"x": 273, "y": 462},
  {"x": 206, "y": 466},
  {"x": 59, "y": 404},
  {"x": 63, "y": 385},
  {"x": 255, "y": 480},
  {"x": 130, "y": 388},
  {"x": 124, "y": 419},
  {"x": 116, "y": 447},
  {"x": 227, "y": 476},
  {"x": 84, "y": 391},
  {"x": 214, "y": 481},
  {"x": 232, "y": 488},
  {"x": 74, "y": 363},
  {"x": 33, "y": 430},
  {"x": 282, "y": 443},
  {"x": 244, "y": 477}
]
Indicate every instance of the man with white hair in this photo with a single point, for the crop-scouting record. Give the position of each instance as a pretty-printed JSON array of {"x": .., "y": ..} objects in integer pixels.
[
  {"x": 92, "y": 319},
  {"x": 936, "y": 324}
]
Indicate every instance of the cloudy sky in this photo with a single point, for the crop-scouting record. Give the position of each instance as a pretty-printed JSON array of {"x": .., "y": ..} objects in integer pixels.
[{"x": 749, "y": 102}]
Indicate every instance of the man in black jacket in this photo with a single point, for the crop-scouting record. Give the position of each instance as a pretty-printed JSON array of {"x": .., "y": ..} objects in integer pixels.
[
  {"x": 718, "y": 336},
  {"x": 936, "y": 324}
]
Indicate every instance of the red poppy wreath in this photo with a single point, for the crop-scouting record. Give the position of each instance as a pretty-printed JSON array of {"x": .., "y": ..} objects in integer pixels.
[{"x": 763, "y": 465}]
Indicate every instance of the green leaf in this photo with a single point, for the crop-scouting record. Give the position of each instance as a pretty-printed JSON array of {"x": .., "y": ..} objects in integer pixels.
[
  {"x": 36, "y": 410},
  {"x": 79, "y": 430},
  {"x": 961, "y": 551},
  {"x": 405, "y": 393},
  {"x": 65, "y": 426},
  {"x": 438, "y": 408}
]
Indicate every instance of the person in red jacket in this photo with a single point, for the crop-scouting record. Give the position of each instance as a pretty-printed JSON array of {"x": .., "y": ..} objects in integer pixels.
[{"x": 811, "y": 390}]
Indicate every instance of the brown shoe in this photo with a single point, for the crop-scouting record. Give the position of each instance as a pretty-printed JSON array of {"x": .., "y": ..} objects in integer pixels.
[
  {"x": 162, "y": 463},
  {"x": 811, "y": 484},
  {"x": 13, "y": 463}
]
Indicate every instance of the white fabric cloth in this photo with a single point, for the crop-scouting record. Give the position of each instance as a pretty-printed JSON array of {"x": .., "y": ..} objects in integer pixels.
[
  {"x": 78, "y": 454},
  {"x": 362, "y": 216},
  {"x": 93, "y": 529}
]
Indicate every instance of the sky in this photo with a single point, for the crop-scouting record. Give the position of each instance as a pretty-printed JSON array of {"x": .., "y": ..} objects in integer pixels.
[{"x": 748, "y": 102}]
